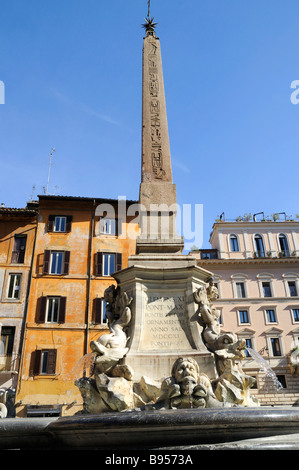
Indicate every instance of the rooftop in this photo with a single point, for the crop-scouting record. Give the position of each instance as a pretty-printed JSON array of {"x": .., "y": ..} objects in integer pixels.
[{"x": 259, "y": 217}]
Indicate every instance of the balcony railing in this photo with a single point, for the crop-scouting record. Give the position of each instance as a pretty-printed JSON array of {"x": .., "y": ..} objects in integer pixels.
[
  {"x": 17, "y": 257},
  {"x": 209, "y": 254},
  {"x": 9, "y": 363},
  {"x": 270, "y": 254}
]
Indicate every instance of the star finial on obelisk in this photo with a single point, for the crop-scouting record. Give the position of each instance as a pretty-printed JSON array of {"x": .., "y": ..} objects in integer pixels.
[{"x": 149, "y": 24}]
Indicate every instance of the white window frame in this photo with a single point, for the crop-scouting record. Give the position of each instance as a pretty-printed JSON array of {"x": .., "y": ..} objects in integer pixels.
[
  {"x": 266, "y": 287},
  {"x": 104, "y": 320},
  {"x": 57, "y": 301},
  {"x": 108, "y": 226},
  {"x": 236, "y": 238},
  {"x": 217, "y": 280},
  {"x": 245, "y": 334},
  {"x": 243, "y": 309},
  {"x": 55, "y": 252},
  {"x": 291, "y": 277},
  {"x": 274, "y": 333},
  {"x": 44, "y": 361},
  {"x": 265, "y": 277},
  {"x": 263, "y": 243},
  {"x": 295, "y": 334},
  {"x": 287, "y": 251},
  {"x": 267, "y": 322},
  {"x": 237, "y": 278},
  {"x": 279, "y": 338},
  {"x": 296, "y": 288},
  {"x": 15, "y": 288},
  {"x": 110, "y": 272},
  {"x": 294, "y": 307},
  {"x": 60, "y": 219}
]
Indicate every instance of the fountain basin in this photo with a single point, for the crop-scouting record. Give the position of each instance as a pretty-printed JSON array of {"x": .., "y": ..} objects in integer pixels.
[{"x": 253, "y": 428}]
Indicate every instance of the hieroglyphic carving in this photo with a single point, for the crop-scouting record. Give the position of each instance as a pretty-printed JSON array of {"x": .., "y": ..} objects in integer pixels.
[{"x": 155, "y": 108}]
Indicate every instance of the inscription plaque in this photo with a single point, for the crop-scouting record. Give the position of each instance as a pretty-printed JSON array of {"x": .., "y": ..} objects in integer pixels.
[{"x": 165, "y": 325}]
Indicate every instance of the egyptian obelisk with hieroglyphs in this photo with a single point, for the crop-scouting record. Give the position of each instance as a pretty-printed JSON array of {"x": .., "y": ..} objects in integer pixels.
[
  {"x": 160, "y": 279},
  {"x": 157, "y": 198}
]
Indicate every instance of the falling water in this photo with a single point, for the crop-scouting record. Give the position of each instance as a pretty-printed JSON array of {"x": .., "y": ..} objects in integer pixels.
[
  {"x": 269, "y": 373},
  {"x": 190, "y": 394},
  {"x": 86, "y": 362}
]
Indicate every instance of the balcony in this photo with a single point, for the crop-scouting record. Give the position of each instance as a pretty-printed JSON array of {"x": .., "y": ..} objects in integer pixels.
[
  {"x": 17, "y": 257},
  {"x": 9, "y": 363},
  {"x": 271, "y": 254},
  {"x": 208, "y": 254}
]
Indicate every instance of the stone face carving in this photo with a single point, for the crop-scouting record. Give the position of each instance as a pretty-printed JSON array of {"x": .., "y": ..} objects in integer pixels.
[{"x": 186, "y": 388}]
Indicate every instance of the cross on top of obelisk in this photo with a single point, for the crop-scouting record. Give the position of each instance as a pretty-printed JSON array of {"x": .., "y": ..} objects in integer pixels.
[{"x": 149, "y": 24}]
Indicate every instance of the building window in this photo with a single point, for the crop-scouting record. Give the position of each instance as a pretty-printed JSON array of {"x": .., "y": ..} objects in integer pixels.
[
  {"x": 14, "y": 285},
  {"x": 275, "y": 346},
  {"x": 271, "y": 316},
  {"x": 208, "y": 254},
  {"x": 234, "y": 245},
  {"x": 259, "y": 246},
  {"x": 282, "y": 380},
  {"x": 217, "y": 285},
  {"x": 266, "y": 289},
  {"x": 295, "y": 312},
  {"x": 248, "y": 344},
  {"x": 6, "y": 347},
  {"x": 243, "y": 316},
  {"x": 60, "y": 223},
  {"x": 100, "y": 313},
  {"x": 292, "y": 288},
  {"x": 108, "y": 263},
  {"x": 19, "y": 247},
  {"x": 56, "y": 262},
  {"x": 108, "y": 226},
  {"x": 51, "y": 309},
  {"x": 240, "y": 290},
  {"x": 44, "y": 361},
  {"x": 283, "y": 245}
]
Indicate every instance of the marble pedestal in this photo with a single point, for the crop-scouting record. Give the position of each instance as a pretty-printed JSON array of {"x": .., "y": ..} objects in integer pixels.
[{"x": 164, "y": 322}]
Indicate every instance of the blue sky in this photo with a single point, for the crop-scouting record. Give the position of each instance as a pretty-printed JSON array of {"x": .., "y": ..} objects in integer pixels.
[{"x": 72, "y": 75}]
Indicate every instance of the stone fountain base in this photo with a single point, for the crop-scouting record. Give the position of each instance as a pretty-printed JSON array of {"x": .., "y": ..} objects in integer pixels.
[{"x": 176, "y": 430}]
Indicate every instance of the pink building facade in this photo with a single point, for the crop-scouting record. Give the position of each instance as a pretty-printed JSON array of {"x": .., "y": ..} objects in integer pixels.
[{"x": 256, "y": 269}]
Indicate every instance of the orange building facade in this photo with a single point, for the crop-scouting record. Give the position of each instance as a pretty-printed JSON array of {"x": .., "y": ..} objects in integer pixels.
[
  {"x": 80, "y": 243},
  {"x": 17, "y": 238}
]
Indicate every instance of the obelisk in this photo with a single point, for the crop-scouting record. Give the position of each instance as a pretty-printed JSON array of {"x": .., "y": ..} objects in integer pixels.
[
  {"x": 157, "y": 197},
  {"x": 160, "y": 278}
]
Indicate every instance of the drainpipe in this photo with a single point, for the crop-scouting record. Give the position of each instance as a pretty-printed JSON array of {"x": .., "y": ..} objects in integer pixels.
[
  {"x": 89, "y": 274},
  {"x": 23, "y": 333}
]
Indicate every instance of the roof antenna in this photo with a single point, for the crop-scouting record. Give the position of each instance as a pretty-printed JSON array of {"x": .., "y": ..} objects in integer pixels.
[{"x": 50, "y": 164}]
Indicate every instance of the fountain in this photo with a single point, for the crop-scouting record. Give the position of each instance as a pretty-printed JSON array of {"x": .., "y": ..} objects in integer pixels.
[
  {"x": 264, "y": 366},
  {"x": 165, "y": 377}
]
